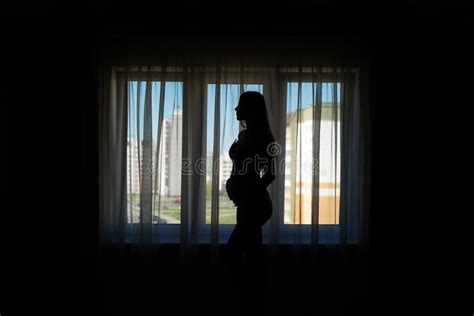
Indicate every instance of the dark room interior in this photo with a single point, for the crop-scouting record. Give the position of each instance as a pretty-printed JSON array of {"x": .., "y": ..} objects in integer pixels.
[{"x": 361, "y": 259}]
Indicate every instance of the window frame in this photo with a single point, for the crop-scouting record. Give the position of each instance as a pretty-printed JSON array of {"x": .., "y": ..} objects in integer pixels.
[{"x": 288, "y": 233}]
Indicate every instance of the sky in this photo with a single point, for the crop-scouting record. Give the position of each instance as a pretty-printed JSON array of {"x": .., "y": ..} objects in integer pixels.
[{"x": 229, "y": 99}]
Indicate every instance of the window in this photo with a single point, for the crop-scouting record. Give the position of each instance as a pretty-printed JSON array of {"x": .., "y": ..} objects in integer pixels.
[
  {"x": 154, "y": 121},
  {"x": 303, "y": 106},
  {"x": 163, "y": 142}
]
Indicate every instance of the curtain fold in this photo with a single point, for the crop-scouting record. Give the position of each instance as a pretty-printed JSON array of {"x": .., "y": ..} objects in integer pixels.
[
  {"x": 316, "y": 93},
  {"x": 165, "y": 130}
]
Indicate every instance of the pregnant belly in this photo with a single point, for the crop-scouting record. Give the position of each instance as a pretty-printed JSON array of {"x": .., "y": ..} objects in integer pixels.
[{"x": 242, "y": 189}]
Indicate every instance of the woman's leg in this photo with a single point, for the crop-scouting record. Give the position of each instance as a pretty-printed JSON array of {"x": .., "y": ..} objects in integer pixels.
[
  {"x": 253, "y": 274},
  {"x": 245, "y": 239},
  {"x": 253, "y": 243},
  {"x": 234, "y": 246},
  {"x": 249, "y": 277}
]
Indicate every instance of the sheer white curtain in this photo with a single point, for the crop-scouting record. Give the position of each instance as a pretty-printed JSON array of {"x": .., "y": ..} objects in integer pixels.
[{"x": 165, "y": 130}]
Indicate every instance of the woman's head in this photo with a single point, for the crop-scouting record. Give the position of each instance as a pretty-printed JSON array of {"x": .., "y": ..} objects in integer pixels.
[{"x": 252, "y": 110}]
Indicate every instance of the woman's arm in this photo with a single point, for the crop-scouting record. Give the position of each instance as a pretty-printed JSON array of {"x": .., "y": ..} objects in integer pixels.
[
  {"x": 268, "y": 167},
  {"x": 269, "y": 174}
]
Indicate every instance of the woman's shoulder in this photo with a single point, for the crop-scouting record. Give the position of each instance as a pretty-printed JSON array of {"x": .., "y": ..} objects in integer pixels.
[{"x": 266, "y": 138}]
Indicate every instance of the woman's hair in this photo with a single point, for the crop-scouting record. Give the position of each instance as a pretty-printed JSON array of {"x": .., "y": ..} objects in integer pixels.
[{"x": 256, "y": 109}]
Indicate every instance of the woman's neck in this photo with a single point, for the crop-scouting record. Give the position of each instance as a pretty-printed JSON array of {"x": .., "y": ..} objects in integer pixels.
[{"x": 250, "y": 127}]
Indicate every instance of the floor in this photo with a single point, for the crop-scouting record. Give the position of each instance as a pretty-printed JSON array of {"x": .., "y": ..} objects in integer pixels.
[{"x": 289, "y": 283}]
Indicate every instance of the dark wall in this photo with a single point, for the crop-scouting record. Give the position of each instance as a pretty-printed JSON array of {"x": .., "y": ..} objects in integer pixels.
[{"x": 422, "y": 64}]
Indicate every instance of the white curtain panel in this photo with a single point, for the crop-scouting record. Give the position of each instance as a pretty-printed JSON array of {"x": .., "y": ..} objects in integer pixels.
[{"x": 165, "y": 131}]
